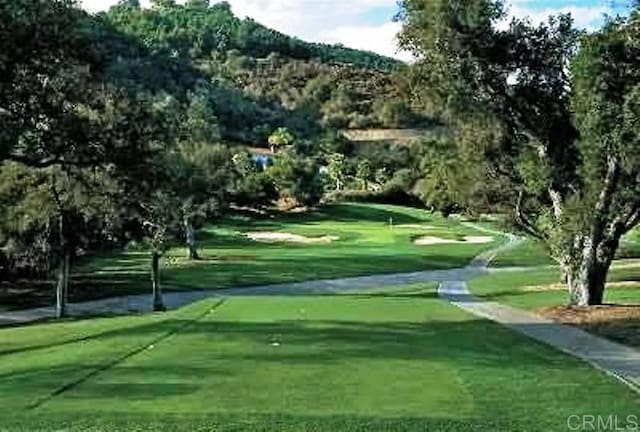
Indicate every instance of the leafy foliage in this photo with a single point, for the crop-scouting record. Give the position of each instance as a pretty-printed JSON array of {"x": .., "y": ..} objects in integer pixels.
[
  {"x": 129, "y": 125},
  {"x": 297, "y": 180},
  {"x": 556, "y": 140},
  {"x": 258, "y": 79}
]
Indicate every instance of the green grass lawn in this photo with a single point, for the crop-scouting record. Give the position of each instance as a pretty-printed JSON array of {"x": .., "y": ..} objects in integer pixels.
[
  {"x": 531, "y": 253},
  {"x": 398, "y": 361},
  {"x": 523, "y": 289},
  {"x": 539, "y": 290},
  {"x": 367, "y": 244},
  {"x": 634, "y": 235}
]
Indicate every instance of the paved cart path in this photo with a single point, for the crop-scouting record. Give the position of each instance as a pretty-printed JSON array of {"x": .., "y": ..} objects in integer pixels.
[
  {"x": 141, "y": 303},
  {"x": 621, "y": 361}
]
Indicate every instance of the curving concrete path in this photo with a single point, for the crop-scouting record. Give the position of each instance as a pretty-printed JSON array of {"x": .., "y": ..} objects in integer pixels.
[
  {"x": 173, "y": 300},
  {"x": 620, "y": 361},
  {"x": 142, "y": 303}
]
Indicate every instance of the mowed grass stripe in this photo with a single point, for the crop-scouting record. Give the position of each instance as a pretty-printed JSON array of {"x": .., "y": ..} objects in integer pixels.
[
  {"x": 37, "y": 368},
  {"x": 117, "y": 360}
]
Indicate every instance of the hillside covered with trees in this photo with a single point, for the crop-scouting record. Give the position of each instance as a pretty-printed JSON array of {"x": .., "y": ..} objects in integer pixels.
[
  {"x": 133, "y": 126},
  {"x": 252, "y": 78}
]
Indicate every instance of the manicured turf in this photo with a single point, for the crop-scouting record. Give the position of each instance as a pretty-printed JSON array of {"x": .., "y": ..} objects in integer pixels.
[
  {"x": 525, "y": 289},
  {"x": 531, "y": 253},
  {"x": 540, "y": 290},
  {"x": 527, "y": 254},
  {"x": 367, "y": 244},
  {"x": 399, "y": 361}
]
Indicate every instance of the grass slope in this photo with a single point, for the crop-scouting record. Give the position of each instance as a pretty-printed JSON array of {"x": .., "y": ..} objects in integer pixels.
[
  {"x": 400, "y": 361},
  {"x": 526, "y": 289},
  {"x": 531, "y": 253}
]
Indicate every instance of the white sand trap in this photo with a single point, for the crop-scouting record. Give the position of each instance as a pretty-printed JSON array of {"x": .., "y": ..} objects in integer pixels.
[
  {"x": 416, "y": 226},
  {"x": 283, "y": 237},
  {"x": 430, "y": 240}
]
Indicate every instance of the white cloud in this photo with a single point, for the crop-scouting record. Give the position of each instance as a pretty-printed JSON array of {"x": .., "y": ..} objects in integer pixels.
[
  {"x": 381, "y": 39},
  {"x": 328, "y": 21},
  {"x": 587, "y": 17},
  {"x": 100, "y": 5},
  {"x": 346, "y": 22}
]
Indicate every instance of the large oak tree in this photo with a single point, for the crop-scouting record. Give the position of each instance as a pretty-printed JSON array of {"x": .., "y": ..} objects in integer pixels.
[
  {"x": 555, "y": 112},
  {"x": 62, "y": 118}
]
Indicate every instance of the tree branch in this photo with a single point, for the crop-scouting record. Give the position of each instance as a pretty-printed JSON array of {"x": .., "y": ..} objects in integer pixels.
[
  {"x": 604, "y": 199},
  {"x": 523, "y": 220},
  {"x": 556, "y": 197},
  {"x": 633, "y": 218},
  {"x": 556, "y": 202},
  {"x": 34, "y": 163},
  {"x": 50, "y": 161}
]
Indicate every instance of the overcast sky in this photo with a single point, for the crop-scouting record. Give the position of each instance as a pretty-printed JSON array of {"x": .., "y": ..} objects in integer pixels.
[{"x": 368, "y": 24}]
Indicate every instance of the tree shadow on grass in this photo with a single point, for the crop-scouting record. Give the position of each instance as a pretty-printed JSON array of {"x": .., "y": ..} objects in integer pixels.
[
  {"x": 392, "y": 295},
  {"x": 468, "y": 346},
  {"x": 313, "y": 341},
  {"x": 497, "y": 296},
  {"x": 269, "y": 270},
  {"x": 330, "y": 213},
  {"x": 358, "y": 213},
  {"x": 232, "y": 273}
]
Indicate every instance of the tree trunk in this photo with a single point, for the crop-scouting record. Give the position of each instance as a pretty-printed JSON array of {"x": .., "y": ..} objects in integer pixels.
[
  {"x": 158, "y": 304},
  {"x": 587, "y": 279},
  {"x": 62, "y": 282},
  {"x": 192, "y": 250},
  {"x": 586, "y": 286},
  {"x": 588, "y": 275}
]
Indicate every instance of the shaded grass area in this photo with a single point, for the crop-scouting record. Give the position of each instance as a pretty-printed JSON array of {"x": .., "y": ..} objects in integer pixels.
[
  {"x": 266, "y": 423},
  {"x": 540, "y": 289},
  {"x": 526, "y": 289},
  {"x": 532, "y": 253},
  {"x": 372, "y": 239},
  {"x": 402, "y": 360}
]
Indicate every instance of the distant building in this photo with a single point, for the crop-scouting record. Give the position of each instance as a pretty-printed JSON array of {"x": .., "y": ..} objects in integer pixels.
[{"x": 261, "y": 156}]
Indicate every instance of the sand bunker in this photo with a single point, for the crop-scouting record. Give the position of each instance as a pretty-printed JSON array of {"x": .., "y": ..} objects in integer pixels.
[
  {"x": 416, "y": 226},
  {"x": 283, "y": 237},
  {"x": 430, "y": 240}
]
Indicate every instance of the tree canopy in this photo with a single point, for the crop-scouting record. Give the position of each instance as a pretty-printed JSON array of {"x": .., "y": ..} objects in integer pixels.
[
  {"x": 133, "y": 126},
  {"x": 553, "y": 112}
]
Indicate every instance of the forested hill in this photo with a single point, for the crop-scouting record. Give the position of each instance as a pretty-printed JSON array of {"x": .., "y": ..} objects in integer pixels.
[
  {"x": 204, "y": 29},
  {"x": 251, "y": 79}
]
